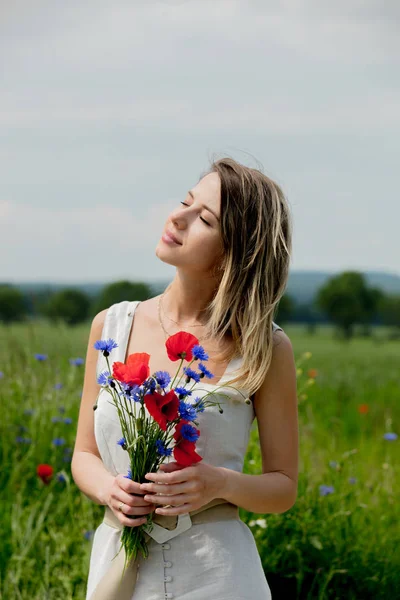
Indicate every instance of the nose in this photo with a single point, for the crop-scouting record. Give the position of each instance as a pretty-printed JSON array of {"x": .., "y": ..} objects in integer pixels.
[{"x": 178, "y": 219}]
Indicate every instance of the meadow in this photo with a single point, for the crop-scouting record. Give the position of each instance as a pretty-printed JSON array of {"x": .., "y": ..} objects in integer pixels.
[{"x": 341, "y": 538}]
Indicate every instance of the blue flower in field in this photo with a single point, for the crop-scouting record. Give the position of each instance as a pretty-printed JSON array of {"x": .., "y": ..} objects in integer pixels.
[
  {"x": 122, "y": 442},
  {"x": 104, "y": 378},
  {"x": 66, "y": 458},
  {"x": 41, "y": 357},
  {"x": 189, "y": 433},
  {"x": 1, "y": 374},
  {"x": 88, "y": 534},
  {"x": 56, "y": 419},
  {"x": 58, "y": 441},
  {"x": 58, "y": 386},
  {"x": 333, "y": 464},
  {"x": 190, "y": 374},
  {"x": 187, "y": 411},
  {"x": 324, "y": 490},
  {"x": 76, "y": 361},
  {"x": 105, "y": 346},
  {"x": 68, "y": 420},
  {"x": 352, "y": 480},
  {"x": 199, "y": 353},
  {"x": 129, "y": 476},
  {"x": 163, "y": 378},
  {"x": 199, "y": 404},
  {"x": 390, "y": 436},
  {"x": 23, "y": 440},
  {"x": 61, "y": 409},
  {"x": 181, "y": 391},
  {"x": 205, "y": 371},
  {"x": 61, "y": 477},
  {"x": 29, "y": 411},
  {"x": 162, "y": 450}
]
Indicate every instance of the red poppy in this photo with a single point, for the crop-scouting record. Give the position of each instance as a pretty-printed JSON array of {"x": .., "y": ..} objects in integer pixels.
[
  {"x": 135, "y": 371},
  {"x": 185, "y": 451},
  {"x": 45, "y": 473},
  {"x": 363, "y": 409},
  {"x": 162, "y": 407},
  {"x": 312, "y": 373},
  {"x": 180, "y": 345}
]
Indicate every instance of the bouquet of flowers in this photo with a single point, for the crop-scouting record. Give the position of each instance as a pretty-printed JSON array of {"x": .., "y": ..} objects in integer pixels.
[{"x": 170, "y": 418}]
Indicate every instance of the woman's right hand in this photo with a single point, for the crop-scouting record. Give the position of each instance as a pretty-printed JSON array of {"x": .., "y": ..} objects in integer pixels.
[{"x": 134, "y": 505}]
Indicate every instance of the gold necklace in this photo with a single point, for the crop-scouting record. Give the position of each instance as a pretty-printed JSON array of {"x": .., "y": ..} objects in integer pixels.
[{"x": 162, "y": 324}]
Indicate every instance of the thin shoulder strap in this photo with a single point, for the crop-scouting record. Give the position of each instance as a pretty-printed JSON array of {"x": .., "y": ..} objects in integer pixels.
[
  {"x": 117, "y": 326},
  {"x": 275, "y": 327}
]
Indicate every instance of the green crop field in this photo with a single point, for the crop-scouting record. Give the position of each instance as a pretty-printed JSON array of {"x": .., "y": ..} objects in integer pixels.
[{"x": 341, "y": 538}]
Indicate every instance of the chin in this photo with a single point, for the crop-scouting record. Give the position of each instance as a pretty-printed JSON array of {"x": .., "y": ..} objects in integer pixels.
[{"x": 164, "y": 255}]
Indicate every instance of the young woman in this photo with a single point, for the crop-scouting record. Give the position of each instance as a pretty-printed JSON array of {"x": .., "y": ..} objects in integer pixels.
[{"x": 230, "y": 241}]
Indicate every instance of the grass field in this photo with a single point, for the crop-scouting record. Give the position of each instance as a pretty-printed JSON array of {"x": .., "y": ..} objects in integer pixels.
[{"x": 341, "y": 538}]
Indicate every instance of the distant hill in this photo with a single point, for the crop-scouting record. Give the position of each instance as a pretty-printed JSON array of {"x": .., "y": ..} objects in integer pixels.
[{"x": 302, "y": 285}]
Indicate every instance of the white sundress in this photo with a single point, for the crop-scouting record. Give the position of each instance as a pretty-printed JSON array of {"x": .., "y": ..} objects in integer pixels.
[{"x": 210, "y": 561}]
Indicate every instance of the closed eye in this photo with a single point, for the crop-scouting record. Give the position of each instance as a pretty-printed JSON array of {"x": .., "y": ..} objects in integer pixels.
[{"x": 204, "y": 221}]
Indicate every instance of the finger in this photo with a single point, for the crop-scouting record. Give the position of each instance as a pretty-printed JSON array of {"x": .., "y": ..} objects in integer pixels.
[
  {"x": 167, "y": 488},
  {"x": 136, "y": 510},
  {"x": 129, "y": 499},
  {"x": 176, "y": 510},
  {"x": 129, "y": 486},
  {"x": 173, "y": 500},
  {"x": 174, "y": 477},
  {"x": 170, "y": 467},
  {"x": 130, "y": 522}
]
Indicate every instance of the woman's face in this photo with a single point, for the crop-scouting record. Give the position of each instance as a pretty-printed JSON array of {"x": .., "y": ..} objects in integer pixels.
[{"x": 195, "y": 226}]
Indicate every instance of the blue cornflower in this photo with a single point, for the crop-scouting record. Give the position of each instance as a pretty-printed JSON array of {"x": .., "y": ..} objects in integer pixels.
[
  {"x": 132, "y": 392},
  {"x": 88, "y": 534},
  {"x": 68, "y": 420},
  {"x": 129, "y": 476},
  {"x": 189, "y": 433},
  {"x": 191, "y": 374},
  {"x": 122, "y": 442},
  {"x": 183, "y": 392},
  {"x": 390, "y": 436},
  {"x": 61, "y": 477},
  {"x": 41, "y": 356},
  {"x": 105, "y": 346},
  {"x": 58, "y": 386},
  {"x": 324, "y": 490},
  {"x": 199, "y": 353},
  {"x": 199, "y": 404},
  {"x": 333, "y": 464},
  {"x": 205, "y": 371},
  {"x": 76, "y": 361},
  {"x": 104, "y": 378},
  {"x": 29, "y": 411},
  {"x": 150, "y": 384},
  {"x": 1, "y": 374},
  {"x": 187, "y": 411},
  {"x": 61, "y": 409},
  {"x": 162, "y": 449},
  {"x": 352, "y": 480},
  {"x": 163, "y": 378},
  {"x": 58, "y": 441},
  {"x": 56, "y": 419},
  {"x": 23, "y": 440}
]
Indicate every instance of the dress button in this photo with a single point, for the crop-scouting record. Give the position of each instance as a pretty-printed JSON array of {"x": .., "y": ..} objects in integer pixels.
[
  {"x": 168, "y": 578},
  {"x": 169, "y": 595},
  {"x": 166, "y": 546},
  {"x": 168, "y": 563}
]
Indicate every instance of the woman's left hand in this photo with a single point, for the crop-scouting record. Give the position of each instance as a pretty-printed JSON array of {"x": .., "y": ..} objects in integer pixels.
[{"x": 184, "y": 489}]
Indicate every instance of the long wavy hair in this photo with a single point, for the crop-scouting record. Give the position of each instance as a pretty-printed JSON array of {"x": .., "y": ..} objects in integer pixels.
[{"x": 256, "y": 232}]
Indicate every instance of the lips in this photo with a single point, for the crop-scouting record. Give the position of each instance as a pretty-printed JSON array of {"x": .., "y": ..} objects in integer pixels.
[{"x": 172, "y": 236}]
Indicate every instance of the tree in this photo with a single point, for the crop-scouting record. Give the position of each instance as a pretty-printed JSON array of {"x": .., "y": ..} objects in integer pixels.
[
  {"x": 284, "y": 310},
  {"x": 389, "y": 309},
  {"x": 12, "y": 304},
  {"x": 347, "y": 300},
  {"x": 69, "y": 305},
  {"x": 119, "y": 291}
]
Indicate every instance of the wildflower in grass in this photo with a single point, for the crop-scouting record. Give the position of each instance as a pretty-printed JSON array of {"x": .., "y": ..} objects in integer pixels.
[
  {"x": 22, "y": 440},
  {"x": 68, "y": 420},
  {"x": 390, "y": 436},
  {"x": 88, "y": 534},
  {"x": 352, "y": 480},
  {"x": 58, "y": 441},
  {"x": 363, "y": 409},
  {"x": 162, "y": 449},
  {"x": 41, "y": 357},
  {"x": 76, "y": 361},
  {"x": 312, "y": 373},
  {"x": 1, "y": 374},
  {"x": 61, "y": 409},
  {"x": 45, "y": 472},
  {"x": 105, "y": 346},
  {"x": 182, "y": 392},
  {"x": 199, "y": 353},
  {"x": 58, "y": 386},
  {"x": 56, "y": 419},
  {"x": 163, "y": 378},
  {"x": 61, "y": 477},
  {"x": 29, "y": 411},
  {"x": 205, "y": 372},
  {"x": 187, "y": 411},
  {"x": 122, "y": 443},
  {"x": 324, "y": 490},
  {"x": 333, "y": 464},
  {"x": 190, "y": 374}
]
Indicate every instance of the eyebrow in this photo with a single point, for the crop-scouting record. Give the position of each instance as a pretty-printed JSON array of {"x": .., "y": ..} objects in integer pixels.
[{"x": 204, "y": 206}]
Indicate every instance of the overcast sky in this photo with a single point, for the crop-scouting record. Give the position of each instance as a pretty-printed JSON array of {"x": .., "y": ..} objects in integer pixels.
[{"x": 110, "y": 111}]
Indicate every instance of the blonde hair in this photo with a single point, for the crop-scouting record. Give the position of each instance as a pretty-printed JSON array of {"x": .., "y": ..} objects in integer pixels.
[{"x": 256, "y": 233}]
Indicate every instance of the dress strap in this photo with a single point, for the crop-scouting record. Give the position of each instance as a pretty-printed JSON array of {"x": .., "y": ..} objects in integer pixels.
[{"x": 275, "y": 327}]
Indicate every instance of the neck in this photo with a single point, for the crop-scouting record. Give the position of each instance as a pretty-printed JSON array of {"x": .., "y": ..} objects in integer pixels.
[{"x": 186, "y": 298}]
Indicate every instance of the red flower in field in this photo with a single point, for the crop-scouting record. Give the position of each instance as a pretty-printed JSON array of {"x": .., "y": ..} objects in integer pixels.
[
  {"x": 312, "y": 373},
  {"x": 135, "y": 371},
  {"x": 162, "y": 407},
  {"x": 180, "y": 345},
  {"x": 363, "y": 409},
  {"x": 45, "y": 473},
  {"x": 185, "y": 451}
]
